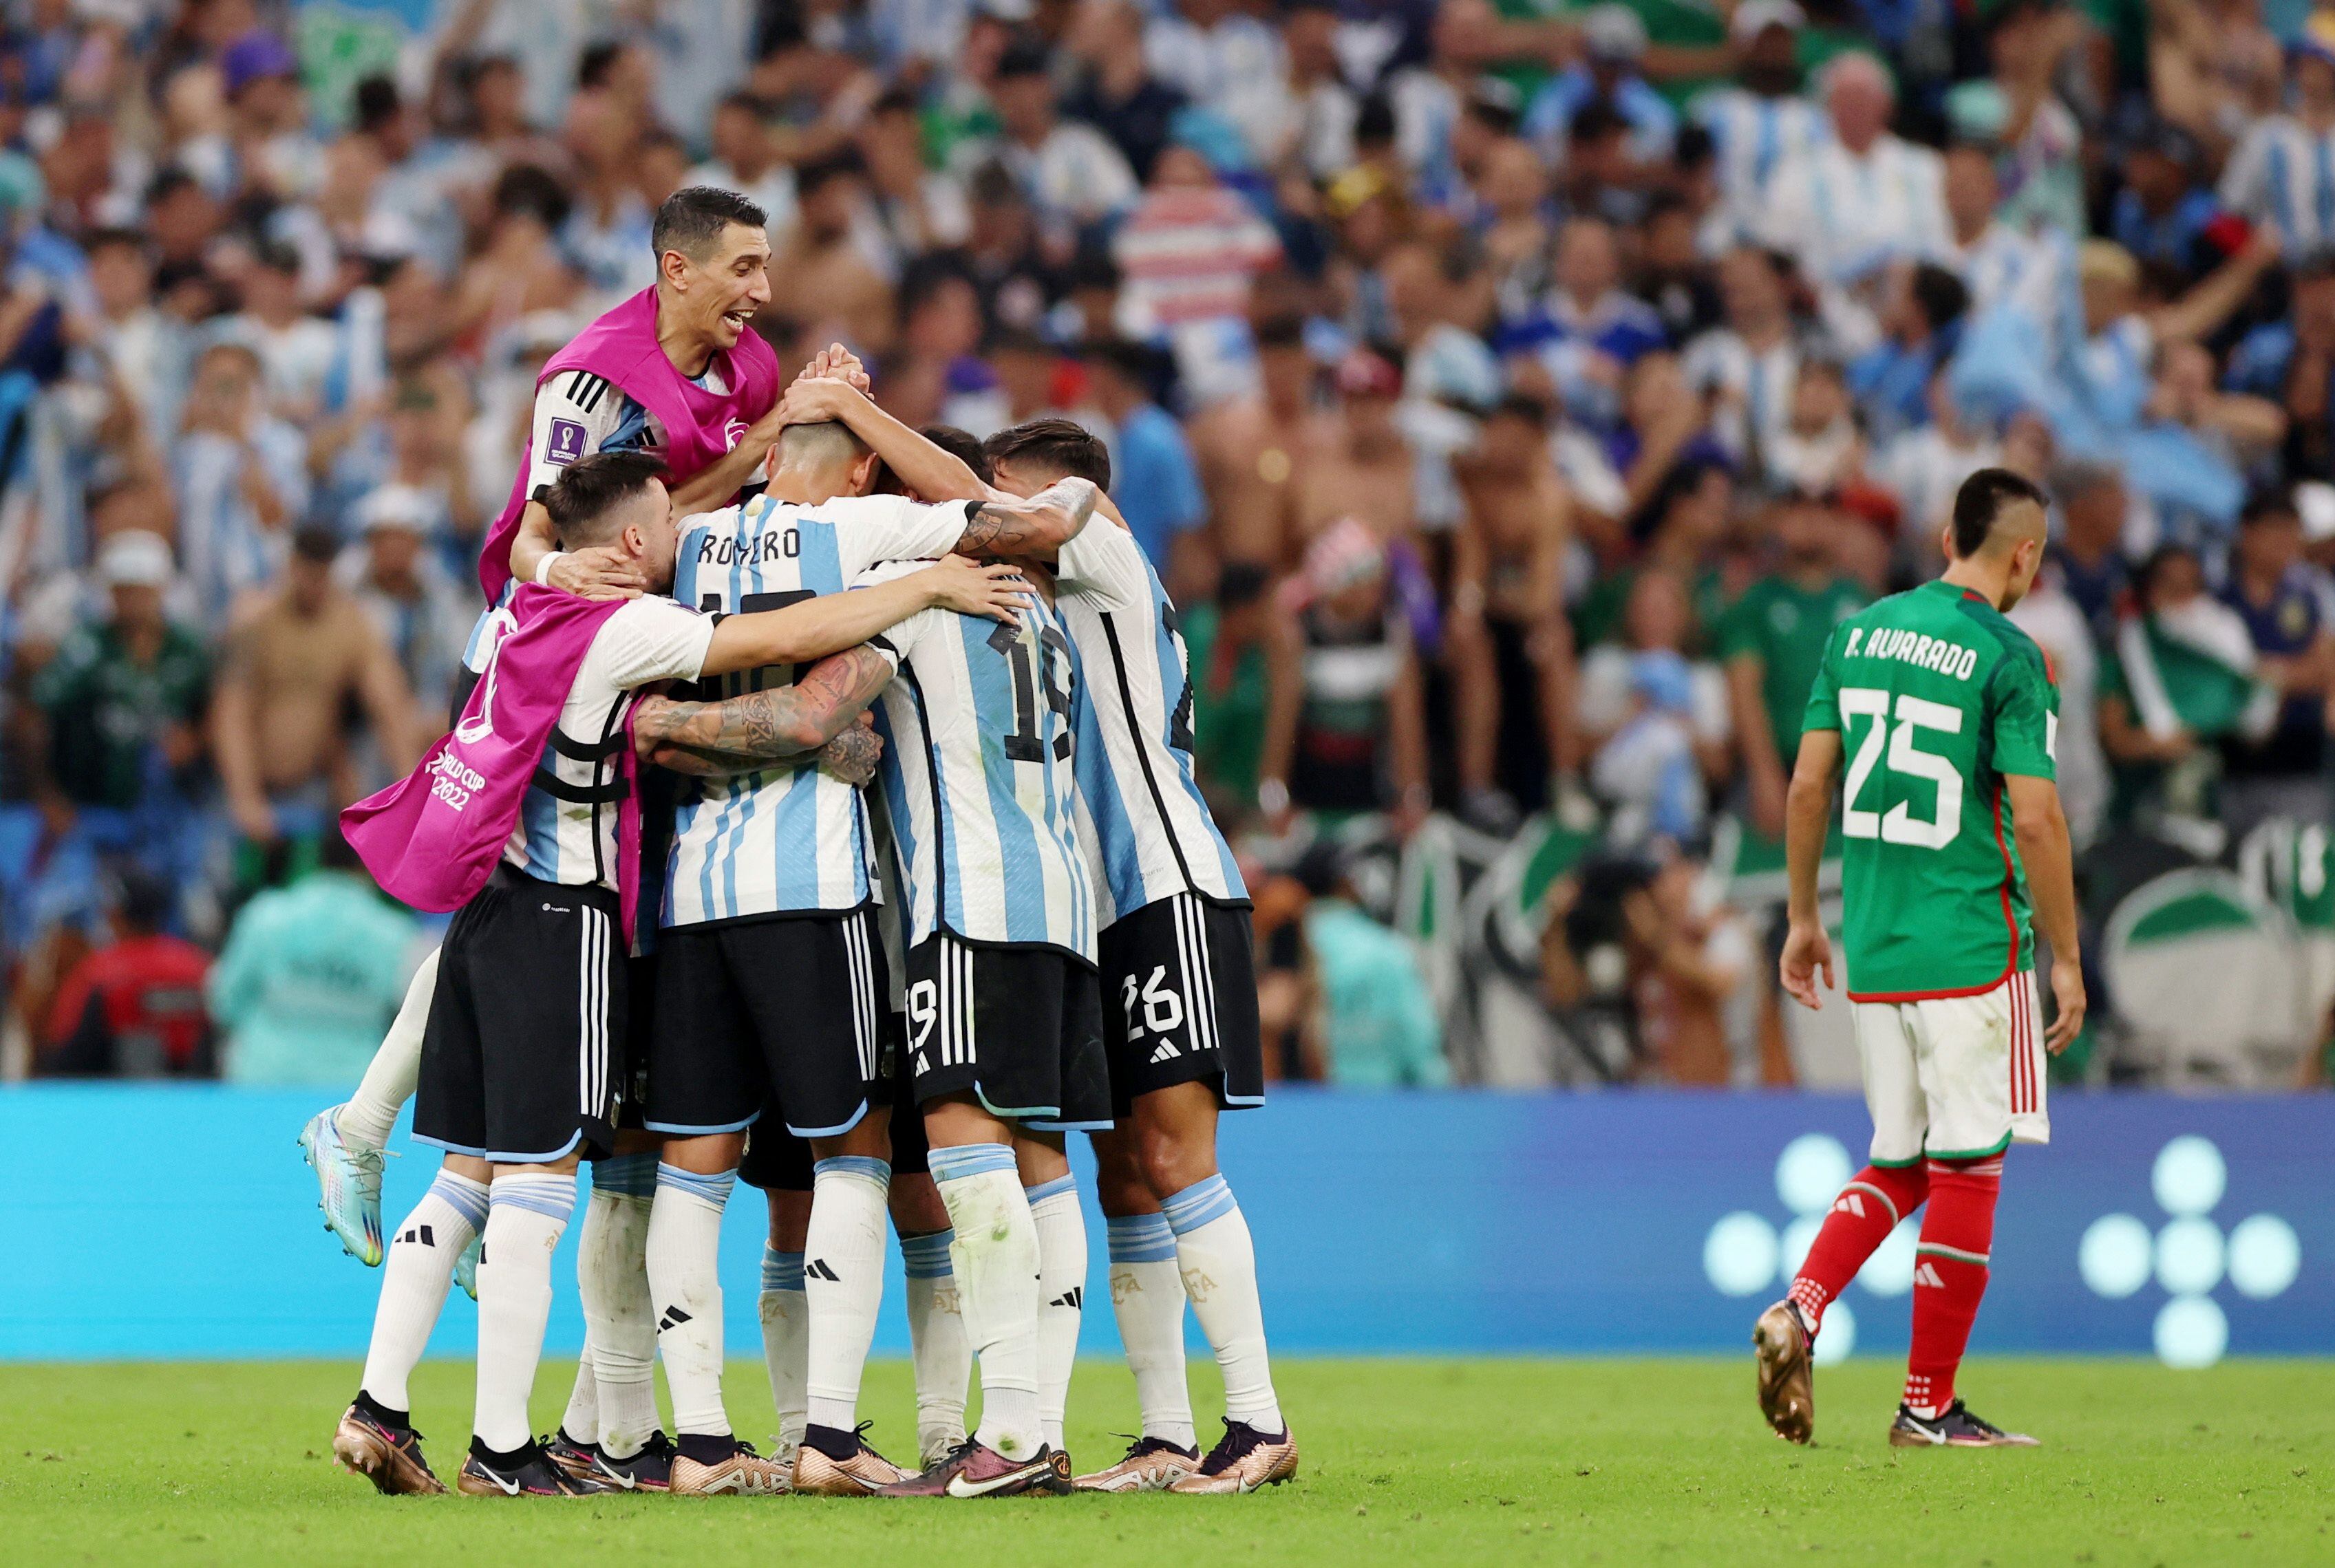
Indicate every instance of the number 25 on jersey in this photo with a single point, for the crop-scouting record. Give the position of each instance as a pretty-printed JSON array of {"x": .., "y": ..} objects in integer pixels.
[{"x": 1894, "y": 751}]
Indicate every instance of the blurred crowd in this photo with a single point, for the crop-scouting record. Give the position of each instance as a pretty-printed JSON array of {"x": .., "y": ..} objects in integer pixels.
[{"x": 1512, "y": 395}]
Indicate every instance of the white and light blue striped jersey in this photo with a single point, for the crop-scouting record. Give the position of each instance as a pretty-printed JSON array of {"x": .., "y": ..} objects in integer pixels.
[
  {"x": 1143, "y": 824},
  {"x": 790, "y": 837},
  {"x": 978, "y": 780},
  {"x": 2283, "y": 174},
  {"x": 566, "y": 827},
  {"x": 1754, "y": 135}
]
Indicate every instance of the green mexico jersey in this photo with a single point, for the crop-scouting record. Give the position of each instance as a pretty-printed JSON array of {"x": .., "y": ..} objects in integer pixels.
[{"x": 1937, "y": 697}]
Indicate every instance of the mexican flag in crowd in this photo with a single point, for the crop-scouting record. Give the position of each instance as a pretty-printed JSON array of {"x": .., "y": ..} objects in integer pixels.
[{"x": 2193, "y": 668}]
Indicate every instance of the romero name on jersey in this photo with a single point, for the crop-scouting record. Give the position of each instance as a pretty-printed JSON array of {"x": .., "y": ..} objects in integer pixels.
[{"x": 791, "y": 837}]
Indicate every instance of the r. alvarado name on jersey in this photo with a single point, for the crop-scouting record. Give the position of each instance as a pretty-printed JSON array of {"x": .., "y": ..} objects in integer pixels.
[{"x": 1918, "y": 649}]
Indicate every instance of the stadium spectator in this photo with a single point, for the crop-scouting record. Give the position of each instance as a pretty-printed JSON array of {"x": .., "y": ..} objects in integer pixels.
[
  {"x": 1377, "y": 1020},
  {"x": 1772, "y": 639},
  {"x": 298, "y": 657},
  {"x": 123, "y": 703},
  {"x": 2284, "y": 604},
  {"x": 134, "y": 1007},
  {"x": 311, "y": 974},
  {"x": 1151, "y": 464}
]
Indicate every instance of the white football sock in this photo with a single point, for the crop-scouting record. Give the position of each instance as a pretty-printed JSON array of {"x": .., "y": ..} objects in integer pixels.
[
  {"x": 685, "y": 1287},
  {"x": 937, "y": 1343},
  {"x": 995, "y": 1256},
  {"x": 527, "y": 1211},
  {"x": 1219, "y": 1265},
  {"x": 619, "y": 1323},
  {"x": 1147, "y": 1296},
  {"x": 581, "y": 1419},
  {"x": 1062, "y": 1295},
  {"x": 389, "y": 1077},
  {"x": 413, "y": 1281},
  {"x": 843, "y": 1280},
  {"x": 786, "y": 1332}
]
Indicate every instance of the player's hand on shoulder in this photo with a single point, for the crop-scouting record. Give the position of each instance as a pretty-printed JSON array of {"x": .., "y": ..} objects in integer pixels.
[
  {"x": 2068, "y": 996},
  {"x": 994, "y": 589},
  {"x": 597, "y": 572},
  {"x": 1808, "y": 951}
]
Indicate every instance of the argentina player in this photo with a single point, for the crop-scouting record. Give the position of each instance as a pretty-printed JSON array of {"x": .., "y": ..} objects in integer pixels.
[
  {"x": 772, "y": 985},
  {"x": 1179, "y": 990}
]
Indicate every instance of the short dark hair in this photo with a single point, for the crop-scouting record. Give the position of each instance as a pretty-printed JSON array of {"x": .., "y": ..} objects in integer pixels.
[
  {"x": 376, "y": 102},
  {"x": 1940, "y": 295},
  {"x": 598, "y": 59},
  {"x": 1061, "y": 445},
  {"x": 1286, "y": 330},
  {"x": 591, "y": 488},
  {"x": 117, "y": 238},
  {"x": 524, "y": 189},
  {"x": 144, "y": 901},
  {"x": 1133, "y": 360},
  {"x": 692, "y": 219},
  {"x": 316, "y": 544},
  {"x": 1520, "y": 405},
  {"x": 1981, "y": 501},
  {"x": 962, "y": 445},
  {"x": 1026, "y": 55},
  {"x": 843, "y": 163},
  {"x": 2269, "y": 502}
]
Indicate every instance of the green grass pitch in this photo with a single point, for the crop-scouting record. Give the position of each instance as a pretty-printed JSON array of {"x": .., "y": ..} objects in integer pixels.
[{"x": 1405, "y": 1461}]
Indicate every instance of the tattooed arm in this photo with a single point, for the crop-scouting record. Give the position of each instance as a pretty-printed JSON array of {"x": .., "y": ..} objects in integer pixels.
[
  {"x": 1039, "y": 526},
  {"x": 936, "y": 475},
  {"x": 744, "y": 733}
]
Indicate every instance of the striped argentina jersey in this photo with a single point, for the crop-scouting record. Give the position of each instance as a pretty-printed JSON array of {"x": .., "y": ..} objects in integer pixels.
[
  {"x": 1142, "y": 822},
  {"x": 977, "y": 779},
  {"x": 566, "y": 827},
  {"x": 790, "y": 837}
]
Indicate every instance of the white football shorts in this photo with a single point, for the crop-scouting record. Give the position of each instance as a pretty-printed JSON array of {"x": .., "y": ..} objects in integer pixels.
[{"x": 1955, "y": 1077}]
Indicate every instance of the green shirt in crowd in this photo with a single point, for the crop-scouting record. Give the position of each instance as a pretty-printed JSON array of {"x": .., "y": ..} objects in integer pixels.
[
  {"x": 107, "y": 712},
  {"x": 310, "y": 977},
  {"x": 1228, "y": 725},
  {"x": 1786, "y": 627}
]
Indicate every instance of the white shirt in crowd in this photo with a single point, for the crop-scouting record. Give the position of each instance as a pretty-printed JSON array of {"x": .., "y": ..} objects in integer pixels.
[
  {"x": 1751, "y": 388},
  {"x": 1754, "y": 136},
  {"x": 1844, "y": 215}
]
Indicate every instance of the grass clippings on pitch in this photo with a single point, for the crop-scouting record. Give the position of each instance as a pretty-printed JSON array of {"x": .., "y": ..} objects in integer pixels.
[{"x": 1412, "y": 1462}]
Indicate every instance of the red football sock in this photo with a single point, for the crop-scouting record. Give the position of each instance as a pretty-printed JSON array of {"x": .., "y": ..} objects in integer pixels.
[
  {"x": 1949, "y": 1275},
  {"x": 1868, "y": 1209}
]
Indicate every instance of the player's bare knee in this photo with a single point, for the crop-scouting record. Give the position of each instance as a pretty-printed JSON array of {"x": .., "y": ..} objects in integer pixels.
[
  {"x": 1173, "y": 1137},
  {"x": 711, "y": 1154},
  {"x": 870, "y": 1136},
  {"x": 1121, "y": 1185},
  {"x": 790, "y": 1220},
  {"x": 470, "y": 1167},
  {"x": 1039, "y": 1157},
  {"x": 915, "y": 1204}
]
